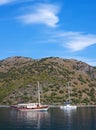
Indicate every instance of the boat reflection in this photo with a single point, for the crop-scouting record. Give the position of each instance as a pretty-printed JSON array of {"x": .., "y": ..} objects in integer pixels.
[
  {"x": 70, "y": 112},
  {"x": 32, "y": 115},
  {"x": 70, "y": 115},
  {"x": 35, "y": 119}
]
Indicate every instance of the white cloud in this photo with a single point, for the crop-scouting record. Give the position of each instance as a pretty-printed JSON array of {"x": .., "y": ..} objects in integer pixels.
[
  {"x": 75, "y": 41},
  {"x": 42, "y": 14},
  {"x": 89, "y": 61},
  {"x": 2, "y": 2},
  {"x": 80, "y": 41}
]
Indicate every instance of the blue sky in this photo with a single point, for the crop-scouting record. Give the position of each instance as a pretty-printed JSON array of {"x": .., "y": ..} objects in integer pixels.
[{"x": 44, "y": 28}]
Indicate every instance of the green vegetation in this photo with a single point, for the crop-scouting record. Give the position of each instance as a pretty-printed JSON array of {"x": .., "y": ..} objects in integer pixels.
[{"x": 19, "y": 76}]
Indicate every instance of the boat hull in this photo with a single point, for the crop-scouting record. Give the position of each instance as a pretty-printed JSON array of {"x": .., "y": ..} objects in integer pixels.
[
  {"x": 37, "y": 108},
  {"x": 68, "y": 107},
  {"x": 40, "y": 109}
]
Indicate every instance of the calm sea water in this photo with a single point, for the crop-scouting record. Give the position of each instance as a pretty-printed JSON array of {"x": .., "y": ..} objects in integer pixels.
[{"x": 54, "y": 119}]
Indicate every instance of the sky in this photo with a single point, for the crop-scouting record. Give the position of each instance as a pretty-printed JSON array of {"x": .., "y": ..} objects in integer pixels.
[{"x": 48, "y": 28}]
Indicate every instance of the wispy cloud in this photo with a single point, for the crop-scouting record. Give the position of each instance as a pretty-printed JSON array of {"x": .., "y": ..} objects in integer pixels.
[
  {"x": 42, "y": 14},
  {"x": 75, "y": 41},
  {"x": 90, "y": 61},
  {"x": 79, "y": 41},
  {"x": 2, "y": 2}
]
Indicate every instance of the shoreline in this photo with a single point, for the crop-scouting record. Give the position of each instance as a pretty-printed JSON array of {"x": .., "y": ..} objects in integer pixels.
[
  {"x": 78, "y": 106},
  {"x": 6, "y": 106},
  {"x": 52, "y": 106},
  {"x": 86, "y": 105}
]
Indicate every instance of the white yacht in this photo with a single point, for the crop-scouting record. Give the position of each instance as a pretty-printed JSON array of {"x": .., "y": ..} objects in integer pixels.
[{"x": 67, "y": 104}]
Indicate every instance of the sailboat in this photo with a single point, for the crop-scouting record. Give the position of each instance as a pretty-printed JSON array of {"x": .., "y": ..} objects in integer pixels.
[
  {"x": 32, "y": 106},
  {"x": 67, "y": 104}
]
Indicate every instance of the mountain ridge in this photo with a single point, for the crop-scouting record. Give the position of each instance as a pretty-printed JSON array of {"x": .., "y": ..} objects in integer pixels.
[{"x": 19, "y": 76}]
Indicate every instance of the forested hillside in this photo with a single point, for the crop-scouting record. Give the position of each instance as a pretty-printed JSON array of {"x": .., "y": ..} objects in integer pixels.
[{"x": 19, "y": 76}]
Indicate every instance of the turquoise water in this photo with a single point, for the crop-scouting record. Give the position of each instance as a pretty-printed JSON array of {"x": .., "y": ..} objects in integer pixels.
[{"x": 54, "y": 119}]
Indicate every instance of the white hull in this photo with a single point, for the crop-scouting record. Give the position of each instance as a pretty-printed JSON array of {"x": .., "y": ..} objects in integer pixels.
[
  {"x": 68, "y": 107},
  {"x": 29, "y": 110},
  {"x": 67, "y": 104}
]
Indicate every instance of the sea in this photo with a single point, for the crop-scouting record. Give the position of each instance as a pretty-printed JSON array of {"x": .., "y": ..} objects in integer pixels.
[{"x": 82, "y": 118}]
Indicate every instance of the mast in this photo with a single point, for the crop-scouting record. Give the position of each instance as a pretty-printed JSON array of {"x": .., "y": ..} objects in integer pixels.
[
  {"x": 38, "y": 93},
  {"x": 68, "y": 92}
]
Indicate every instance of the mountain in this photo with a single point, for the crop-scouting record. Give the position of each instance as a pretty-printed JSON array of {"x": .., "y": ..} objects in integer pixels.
[{"x": 19, "y": 76}]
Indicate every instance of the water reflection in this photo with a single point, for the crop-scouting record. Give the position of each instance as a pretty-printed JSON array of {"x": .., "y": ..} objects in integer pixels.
[
  {"x": 54, "y": 119},
  {"x": 32, "y": 115},
  {"x": 70, "y": 112},
  {"x": 35, "y": 119},
  {"x": 86, "y": 118},
  {"x": 69, "y": 118}
]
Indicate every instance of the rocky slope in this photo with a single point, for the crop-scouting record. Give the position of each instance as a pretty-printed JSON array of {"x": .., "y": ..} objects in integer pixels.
[{"x": 19, "y": 76}]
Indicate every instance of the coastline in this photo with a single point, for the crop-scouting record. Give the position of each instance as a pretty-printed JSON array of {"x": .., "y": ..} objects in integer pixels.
[
  {"x": 86, "y": 105},
  {"x": 4, "y": 106},
  {"x": 78, "y": 106},
  {"x": 52, "y": 106}
]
